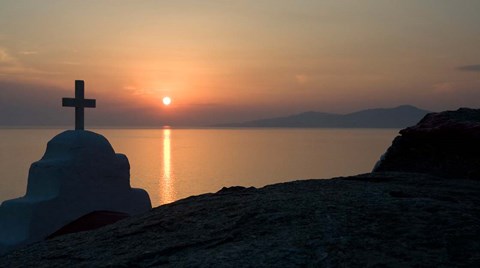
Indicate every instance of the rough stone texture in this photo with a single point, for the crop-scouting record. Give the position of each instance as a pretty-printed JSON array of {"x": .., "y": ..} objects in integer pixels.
[
  {"x": 78, "y": 174},
  {"x": 372, "y": 220},
  {"x": 444, "y": 144}
]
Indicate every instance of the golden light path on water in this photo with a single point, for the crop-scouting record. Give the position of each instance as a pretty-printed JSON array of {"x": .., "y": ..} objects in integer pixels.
[
  {"x": 166, "y": 189},
  {"x": 171, "y": 164}
]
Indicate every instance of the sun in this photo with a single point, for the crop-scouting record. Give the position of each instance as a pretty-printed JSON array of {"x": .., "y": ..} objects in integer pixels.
[{"x": 167, "y": 101}]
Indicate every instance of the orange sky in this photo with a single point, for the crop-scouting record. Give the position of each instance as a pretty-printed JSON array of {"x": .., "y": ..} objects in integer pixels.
[{"x": 224, "y": 61}]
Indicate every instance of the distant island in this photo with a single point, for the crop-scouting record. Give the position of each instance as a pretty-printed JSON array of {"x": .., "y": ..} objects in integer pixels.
[{"x": 398, "y": 117}]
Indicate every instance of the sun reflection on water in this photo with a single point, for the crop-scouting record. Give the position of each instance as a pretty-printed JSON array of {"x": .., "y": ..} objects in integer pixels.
[{"x": 167, "y": 190}]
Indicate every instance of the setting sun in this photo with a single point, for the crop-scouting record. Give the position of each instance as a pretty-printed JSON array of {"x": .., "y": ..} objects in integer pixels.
[{"x": 167, "y": 101}]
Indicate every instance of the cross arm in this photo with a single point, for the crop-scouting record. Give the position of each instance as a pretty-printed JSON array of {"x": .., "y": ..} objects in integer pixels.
[
  {"x": 71, "y": 102},
  {"x": 89, "y": 103}
]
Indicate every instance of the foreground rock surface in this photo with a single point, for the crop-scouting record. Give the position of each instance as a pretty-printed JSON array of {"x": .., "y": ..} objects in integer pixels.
[
  {"x": 444, "y": 144},
  {"x": 393, "y": 219}
]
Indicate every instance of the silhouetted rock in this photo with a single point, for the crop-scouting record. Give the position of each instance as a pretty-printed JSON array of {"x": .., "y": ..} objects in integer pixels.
[
  {"x": 444, "y": 144},
  {"x": 79, "y": 173},
  {"x": 379, "y": 219}
]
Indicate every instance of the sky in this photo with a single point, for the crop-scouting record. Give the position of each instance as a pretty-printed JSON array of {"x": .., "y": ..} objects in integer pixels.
[{"x": 231, "y": 61}]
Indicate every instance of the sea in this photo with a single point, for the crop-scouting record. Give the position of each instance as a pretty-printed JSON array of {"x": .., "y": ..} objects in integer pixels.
[{"x": 171, "y": 164}]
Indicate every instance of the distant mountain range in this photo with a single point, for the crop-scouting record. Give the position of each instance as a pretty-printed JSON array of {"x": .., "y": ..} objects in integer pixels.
[{"x": 398, "y": 117}]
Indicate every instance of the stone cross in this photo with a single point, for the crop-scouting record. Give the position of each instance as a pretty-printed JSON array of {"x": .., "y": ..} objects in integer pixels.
[{"x": 79, "y": 102}]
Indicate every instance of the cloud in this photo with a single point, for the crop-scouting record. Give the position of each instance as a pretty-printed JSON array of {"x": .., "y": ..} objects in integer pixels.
[
  {"x": 5, "y": 58},
  {"x": 8, "y": 64},
  {"x": 28, "y": 52},
  {"x": 302, "y": 78},
  {"x": 12, "y": 68},
  {"x": 204, "y": 104},
  {"x": 443, "y": 87},
  {"x": 470, "y": 68},
  {"x": 70, "y": 62}
]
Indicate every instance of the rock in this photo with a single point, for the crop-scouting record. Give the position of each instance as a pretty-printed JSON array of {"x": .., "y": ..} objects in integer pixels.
[
  {"x": 79, "y": 173},
  {"x": 371, "y": 220},
  {"x": 445, "y": 144}
]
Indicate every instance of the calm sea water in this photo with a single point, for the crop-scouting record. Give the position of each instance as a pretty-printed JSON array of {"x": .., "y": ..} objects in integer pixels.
[{"x": 175, "y": 163}]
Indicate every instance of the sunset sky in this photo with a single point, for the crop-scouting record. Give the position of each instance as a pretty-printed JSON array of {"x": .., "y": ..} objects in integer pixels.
[{"x": 229, "y": 61}]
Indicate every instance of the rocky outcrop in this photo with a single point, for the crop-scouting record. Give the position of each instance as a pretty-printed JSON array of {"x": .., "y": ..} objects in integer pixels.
[
  {"x": 382, "y": 219},
  {"x": 445, "y": 144}
]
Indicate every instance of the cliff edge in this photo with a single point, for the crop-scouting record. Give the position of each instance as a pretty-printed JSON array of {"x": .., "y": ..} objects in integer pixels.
[{"x": 445, "y": 144}]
